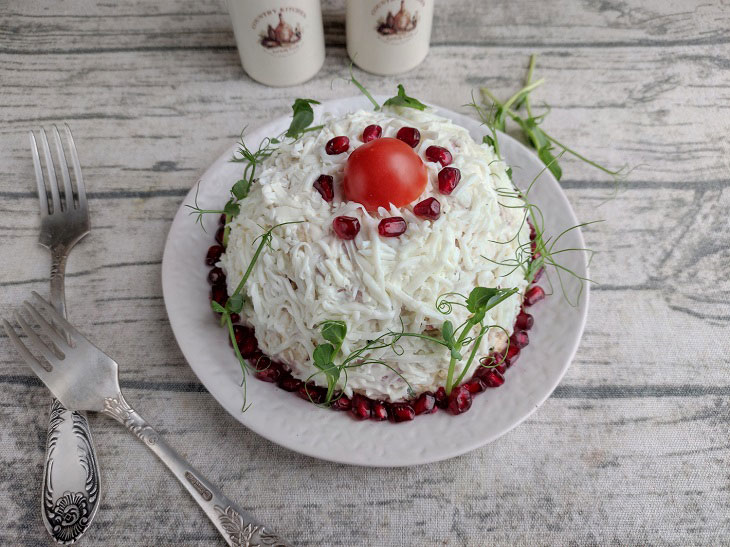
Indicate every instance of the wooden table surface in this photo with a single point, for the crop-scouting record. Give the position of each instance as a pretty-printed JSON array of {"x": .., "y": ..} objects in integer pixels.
[{"x": 633, "y": 446}]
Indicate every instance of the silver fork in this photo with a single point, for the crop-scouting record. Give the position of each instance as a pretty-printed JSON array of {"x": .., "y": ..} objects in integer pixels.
[
  {"x": 71, "y": 486},
  {"x": 84, "y": 378}
]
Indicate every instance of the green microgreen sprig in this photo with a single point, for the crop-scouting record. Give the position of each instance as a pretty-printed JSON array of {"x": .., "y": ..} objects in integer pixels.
[
  {"x": 544, "y": 143},
  {"x": 455, "y": 339},
  {"x": 196, "y": 210},
  {"x": 302, "y": 118},
  {"x": 479, "y": 301},
  {"x": 301, "y": 123},
  {"x": 363, "y": 90},
  {"x": 546, "y": 251},
  {"x": 234, "y": 303},
  {"x": 324, "y": 355},
  {"x": 401, "y": 99}
]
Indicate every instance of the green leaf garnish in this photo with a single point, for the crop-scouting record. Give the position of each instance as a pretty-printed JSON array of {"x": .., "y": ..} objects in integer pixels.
[
  {"x": 234, "y": 304},
  {"x": 302, "y": 117},
  {"x": 334, "y": 331},
  {"x": 478, "y": 298},
  {"x": 404, "y": 100},
  {"x": 323, "y": 355},
  {"x": 231, "y": 209},
  {"x": 241, "y": 188},
  {"x": 447, "y": 331}
]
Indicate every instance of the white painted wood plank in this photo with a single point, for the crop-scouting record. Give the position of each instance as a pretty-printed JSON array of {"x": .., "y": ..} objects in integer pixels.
[{"x": 631, "y": 449}]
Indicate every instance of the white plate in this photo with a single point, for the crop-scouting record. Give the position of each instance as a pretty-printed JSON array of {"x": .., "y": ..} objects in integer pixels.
[{"x": 298, "y": 425}]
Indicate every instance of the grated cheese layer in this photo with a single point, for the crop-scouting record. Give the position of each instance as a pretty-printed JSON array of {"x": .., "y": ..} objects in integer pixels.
[{"x": 372, "y": 283}]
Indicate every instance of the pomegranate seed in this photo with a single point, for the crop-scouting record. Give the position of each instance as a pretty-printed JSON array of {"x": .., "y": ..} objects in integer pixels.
[
  {"x": 240, "y": 332},
  {"x": 492, "y": 362},
  {"x": 380, "y": 411},
  {"x": 493, "y": 379},
  {"x": 429, "y": 208},
  {"x": 325, "y": 186},
  {"x": 501, "y": 362},
  {"x": 260, "y": 362},
  {"x": 222, "y": 219},
  {"x": 218, "y": 294},
  {"x": 235, "y": 318},
  {"x": 442, "y": 401},
  {"x": 425, "y": 404},
  {"x": 219, "y": 234},
  {"x": 519, "y": 339},
  {"x": 270, "y": 374},
  {"x": 246, "y": 342},
  {"x": 409, "y": 135},
  {"x": 312, "y": 393},
  {"x": 513, "y": 353},
  {"x": 254, "y": 359},
  {"x": 533, "y": 295},
  {"x": 439, "y": 154},
  {"x": 482, "y": 369},
  {"x": 371, "y": 133},
  {"x": 338, "y": 145},
  {"x": 402, "y": 412},
  {"x": 342, "y": 403},
  {"x": 459, "y": 400},
  {"x": 346, "y": 227},
  {"x": 214, "y": 255},
  {"x": 216, "y": 277},
  {"x": 533, "y": 233},
  {"x": 360, "y": 407},
  {"x": 392, "y": 227},
  {"x": 533, "y": 247},
  {"x": 449, "y": 177},
  {"x": 475, "y": 385},
  {"x": 538, "y": 275},
  {"x": 290, "y": 384},
  {"x": 524, "y": 321}
]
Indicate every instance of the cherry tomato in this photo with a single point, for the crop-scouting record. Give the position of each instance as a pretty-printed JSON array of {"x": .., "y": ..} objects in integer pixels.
[{"x": 382, "y": 172}]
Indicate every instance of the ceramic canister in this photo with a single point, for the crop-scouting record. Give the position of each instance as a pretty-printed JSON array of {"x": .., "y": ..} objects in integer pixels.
[
  {"x": 388, "y": 36},
  {"x": 281, "y": 42}
]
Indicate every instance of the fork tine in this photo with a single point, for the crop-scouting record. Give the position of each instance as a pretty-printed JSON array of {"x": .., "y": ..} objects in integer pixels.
[
  {"x": 38, "y": 344},
  {"x": 68, "y": 194},
  {"x": 50, "y": 169},
  {"x": 80, "y": 187},
  {"x": 32, "y": 362},
  {"x": 42, "y": 196},
  {"x": 55, "y": 316},
  {"x": 46, "y": 327}
]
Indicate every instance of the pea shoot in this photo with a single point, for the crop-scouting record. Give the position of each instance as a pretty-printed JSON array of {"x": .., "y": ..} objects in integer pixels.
[
  {"x": 455, "y": 339},
  {"x": 301, "y": 123},
  {"x": 494, "y": 113},
  {"x": 234, "y": 303}
]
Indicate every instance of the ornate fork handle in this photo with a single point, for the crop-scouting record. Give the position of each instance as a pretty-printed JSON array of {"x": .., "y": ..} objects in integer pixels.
[
  {"x": 71, "y": 479},
  {"x": 237, "y": 527}
]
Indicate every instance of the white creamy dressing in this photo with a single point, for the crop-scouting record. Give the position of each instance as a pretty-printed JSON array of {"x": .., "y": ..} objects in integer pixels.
[{"x": 371, "y": 282}]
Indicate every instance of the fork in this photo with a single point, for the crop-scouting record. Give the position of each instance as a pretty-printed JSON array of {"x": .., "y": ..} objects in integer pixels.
[
  {"x": 71, "y": 486},
  {"x": 83, "y": 377}
]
